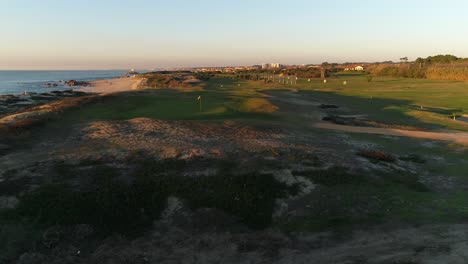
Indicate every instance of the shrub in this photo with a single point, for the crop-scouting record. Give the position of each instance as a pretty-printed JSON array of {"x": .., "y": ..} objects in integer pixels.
[
  {"x": 413, "y": 158},
  {"x": 332, "y": 177},
  {"x": 250, "y": 197},
  {"x": 376, "y": 155},
  {"x": 111, "y": 205}
]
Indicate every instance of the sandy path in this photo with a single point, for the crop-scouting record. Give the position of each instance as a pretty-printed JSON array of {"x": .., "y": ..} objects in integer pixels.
[
  {"x": 113, "y": 85},
  {"x": 458, "y": 137}
]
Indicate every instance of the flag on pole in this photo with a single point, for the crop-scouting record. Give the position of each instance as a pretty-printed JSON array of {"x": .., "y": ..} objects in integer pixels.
[{"x": 200, "y": 102}]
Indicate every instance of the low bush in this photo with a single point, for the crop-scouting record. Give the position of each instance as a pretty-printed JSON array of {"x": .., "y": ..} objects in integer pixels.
[
  {"x": 376, "y": 155},
  {"x": 332, "y": 177},
  {"x": 111, "y": 204},
  {"x": 413, "y": 158}
]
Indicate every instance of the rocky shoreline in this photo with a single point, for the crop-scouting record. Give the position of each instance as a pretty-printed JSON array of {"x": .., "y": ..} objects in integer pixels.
[
  {"x": 10, "y": 103},
  {"x": 14, "y": 102},
  {"x": 70, "y": 83}
]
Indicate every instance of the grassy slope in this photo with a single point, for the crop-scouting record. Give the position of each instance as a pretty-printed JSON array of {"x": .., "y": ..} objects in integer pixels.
[
  {"x": 217, "y": 104},
  {"x": 387, "y": 100},
  {"x": 227, "y": 99}
]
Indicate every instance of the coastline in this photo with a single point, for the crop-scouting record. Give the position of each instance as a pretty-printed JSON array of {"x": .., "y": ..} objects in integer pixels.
[
  {"x": 109, "y": 85},
  {"x": 15, "y": 107},
  {"x": 18, "y": 82}
]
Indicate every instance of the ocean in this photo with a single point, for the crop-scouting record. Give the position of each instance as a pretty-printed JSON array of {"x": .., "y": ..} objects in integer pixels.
[{"x": 16, "y": 82}]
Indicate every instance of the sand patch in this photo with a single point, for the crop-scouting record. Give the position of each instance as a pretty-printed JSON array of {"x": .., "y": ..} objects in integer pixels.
[{"x": 114, "y": 85}]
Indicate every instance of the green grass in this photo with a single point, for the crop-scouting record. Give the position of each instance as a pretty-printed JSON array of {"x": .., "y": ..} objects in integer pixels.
[
  {"x": 159, "y": 104},
  {"x": 385, "y": 99},
  {"x": 414, "y": 102},
  {"x": 344, "y": 200},
  {"x": 398, "y": 100},
  {"x": 218, "y": 104}
]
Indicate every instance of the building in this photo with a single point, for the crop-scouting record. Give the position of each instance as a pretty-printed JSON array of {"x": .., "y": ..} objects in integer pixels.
[
  {"x": 359, "y": 68},
  {"x": 267, "y": 66},
  {"x": 354, "y": 68}
]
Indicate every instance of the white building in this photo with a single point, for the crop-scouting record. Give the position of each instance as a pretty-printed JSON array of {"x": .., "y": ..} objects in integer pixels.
[
  {"x": 267, "y": 66},
  {"x": 354, "y": 68}
]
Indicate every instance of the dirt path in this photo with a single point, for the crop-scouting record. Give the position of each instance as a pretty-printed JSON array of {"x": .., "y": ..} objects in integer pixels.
[{"x": 458, "y": 137}]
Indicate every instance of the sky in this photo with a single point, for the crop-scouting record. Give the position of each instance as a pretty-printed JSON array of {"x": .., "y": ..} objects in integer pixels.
[{"x": 146, "y": 34}]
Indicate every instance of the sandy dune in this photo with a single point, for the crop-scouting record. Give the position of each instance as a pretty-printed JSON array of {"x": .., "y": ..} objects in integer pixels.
[
  {"x": 458, "y": 137},
  {"x": 113, "y": 85}
]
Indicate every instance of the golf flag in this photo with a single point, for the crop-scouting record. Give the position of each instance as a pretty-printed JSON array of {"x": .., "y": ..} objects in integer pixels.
[{"x": 200, "y": 102}]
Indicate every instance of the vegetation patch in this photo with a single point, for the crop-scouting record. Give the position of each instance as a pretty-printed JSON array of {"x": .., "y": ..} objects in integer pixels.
[
  {"x": 109, "y": 205},
  {"x": 113, "y": 202},
  {"x": 415, "y": 158},
  {"x": 170, "y": 80},
  {"x": 325, "y": 106},
  {"x": 343, "y": 200},
  {"x": 332, "y": 177},
  {"x": 376, "y": 155},
  {"x": 256, "y": 105}
]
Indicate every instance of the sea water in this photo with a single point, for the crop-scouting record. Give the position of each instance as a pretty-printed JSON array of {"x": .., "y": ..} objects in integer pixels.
[{"x": 17, "y": 82}]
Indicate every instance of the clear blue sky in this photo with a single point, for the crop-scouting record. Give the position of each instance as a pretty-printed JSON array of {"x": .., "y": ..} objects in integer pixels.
[{"x": 104, "y": 34}]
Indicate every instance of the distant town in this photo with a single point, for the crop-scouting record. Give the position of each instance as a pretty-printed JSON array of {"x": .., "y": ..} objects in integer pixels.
[{"x": 274, "y": 66}]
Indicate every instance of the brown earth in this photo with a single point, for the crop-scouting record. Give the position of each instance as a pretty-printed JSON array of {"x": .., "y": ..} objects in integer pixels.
[{"x": 457, "y": 137}]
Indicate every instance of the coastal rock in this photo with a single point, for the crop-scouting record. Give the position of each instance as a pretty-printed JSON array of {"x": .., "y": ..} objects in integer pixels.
[
  {"x": 51, "y": 84},
  {"x": 24, "y": 103},
  {"x": 132, "y": 72},
  {"x": 15, "y": 100},
  {"x": 73, "y": 83}
]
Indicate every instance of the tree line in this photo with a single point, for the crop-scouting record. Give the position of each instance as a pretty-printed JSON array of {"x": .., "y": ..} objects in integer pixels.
[{"x": 440, "y": 67}]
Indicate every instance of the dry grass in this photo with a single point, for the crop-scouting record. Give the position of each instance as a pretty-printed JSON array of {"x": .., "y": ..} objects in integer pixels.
[
  {"x": 182, "y": 82},
  {"x": 447, "y": 72},
  {"x": 28, "y": 118},
  {"x": 452, "y": 72},
  {"x": 257, "y": 105}
]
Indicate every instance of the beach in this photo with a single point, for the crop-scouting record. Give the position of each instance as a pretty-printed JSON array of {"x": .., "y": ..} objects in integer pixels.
[{"x": 113, "y": 85}]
